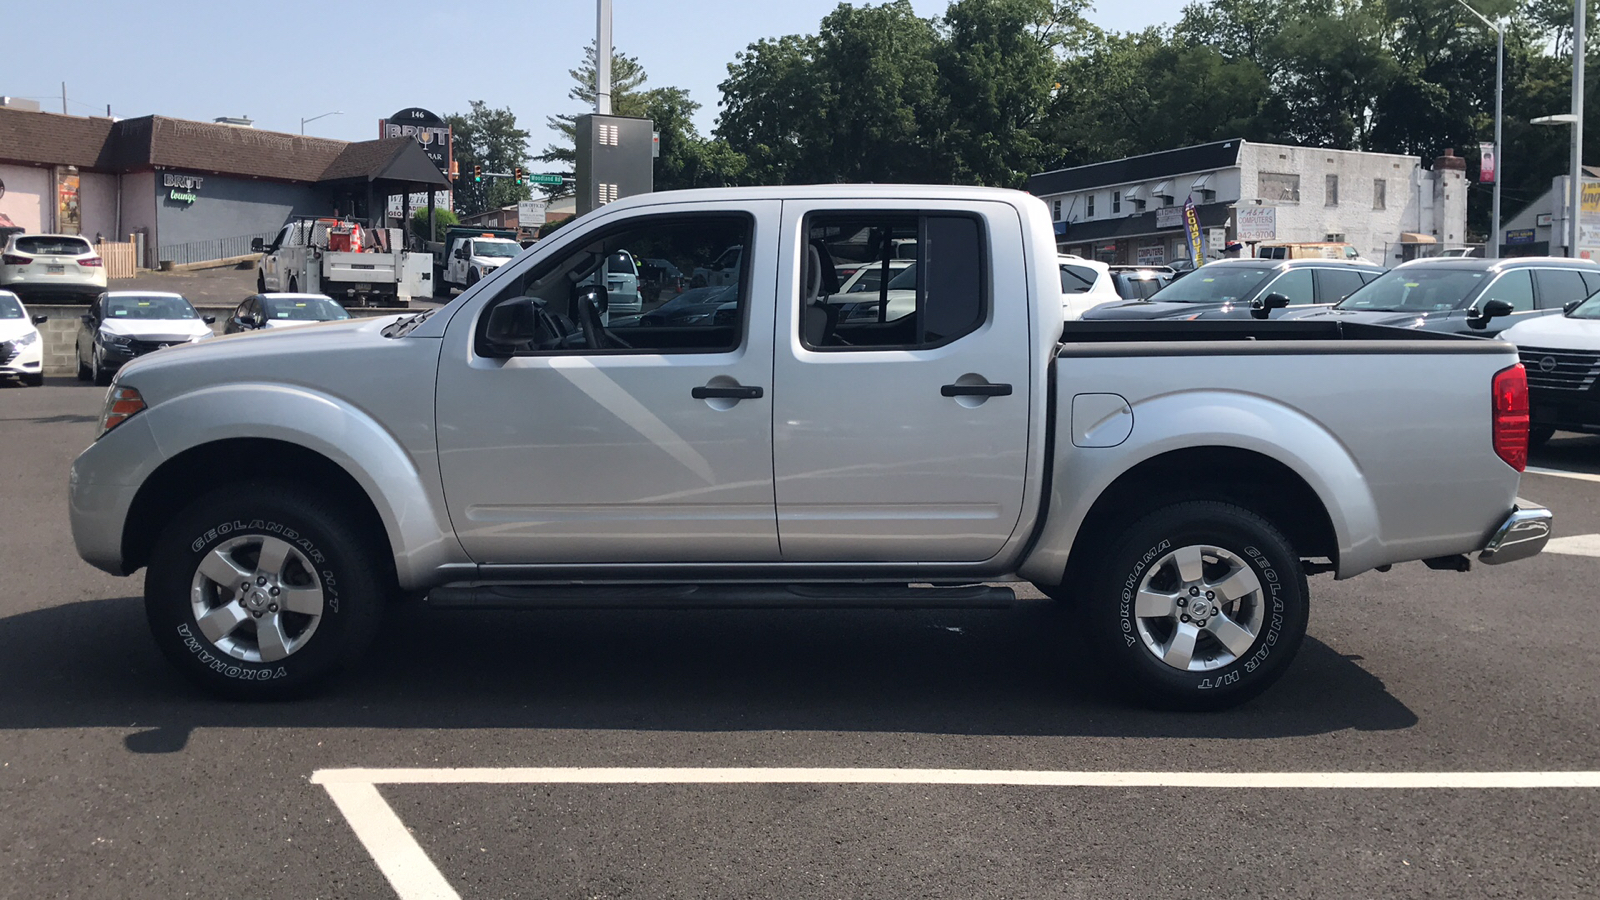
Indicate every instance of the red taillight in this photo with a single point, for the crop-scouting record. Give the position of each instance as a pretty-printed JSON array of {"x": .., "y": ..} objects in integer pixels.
[
  {"x": 1511, "y": 416},
  {"x": 90, "y": 261},
  {"x": 11, "y": 259}
]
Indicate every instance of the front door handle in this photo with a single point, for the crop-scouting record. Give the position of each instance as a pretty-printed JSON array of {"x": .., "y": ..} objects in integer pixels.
[
  {"x": 731, "y": 392},
  {"x": 975, "y": 390}
]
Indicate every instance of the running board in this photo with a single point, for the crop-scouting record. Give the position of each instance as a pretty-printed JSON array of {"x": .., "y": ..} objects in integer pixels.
[{"x": 720, "y": 596}]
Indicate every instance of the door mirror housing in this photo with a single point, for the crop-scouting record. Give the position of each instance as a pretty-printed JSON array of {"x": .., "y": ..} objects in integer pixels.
[
  {"x": 1478, "y": 317},
  {"x": 1569, "y": 306},
  {"x": 511, "y": 324},
  {"x": 593, "y": 293},
  {"x": 1262, "y": 307},
  {"x": 40, "y": 320},
  {"x": 86, "y": 319},
  {"x": 258, "y": 245},
  {"x": 209, "y": 320},
  {"x": 461, "y": 253}
]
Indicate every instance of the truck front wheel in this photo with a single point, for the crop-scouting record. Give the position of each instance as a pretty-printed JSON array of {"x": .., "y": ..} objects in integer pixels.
[
  {"x": 260, "y": 591},
  {"x": 1198, "y": 606}
]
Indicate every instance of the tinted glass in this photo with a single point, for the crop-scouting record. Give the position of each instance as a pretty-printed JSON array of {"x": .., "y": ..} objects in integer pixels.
[
  {"x": 54, "y": 246},
  {"x": 671, "y": 317},
  {"x": 1588, "y": 309},
  {"x": 1591, "y": 282},
  {"x": 313, "y": 309},
  {"x": 1514, "y": 287},
  {"x": 954, "y": 283},
  {"x": 1077, "y": 279},
  {"x": 1417, "y": 290},
  {"x": 1216, "y": 284},
  {"x": 149, "y": 306},
  {"x": 1338, "y": 284},
  {"x": 10, "y": 307},
  {"x": 1558, "y": 287},
  {"x": 1296, "y": 284}
]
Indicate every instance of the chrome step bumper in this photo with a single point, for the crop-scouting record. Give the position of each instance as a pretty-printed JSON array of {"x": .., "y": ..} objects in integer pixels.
[{"x": 1523, "y": 534}]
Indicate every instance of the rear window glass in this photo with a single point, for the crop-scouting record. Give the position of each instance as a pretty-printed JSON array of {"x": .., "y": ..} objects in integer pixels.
[
  {"x": 53, "y": 246},
  {"x": 1077, "y": 279}
]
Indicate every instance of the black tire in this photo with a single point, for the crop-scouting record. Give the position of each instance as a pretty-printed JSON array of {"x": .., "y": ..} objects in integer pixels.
[
  {"x": 1142, "y": 556},
  {"x": 1538, "y": 435},
  {"x": 33, "y": 380},
  {"x": 83, "y": 370},
  {"x": 102, "y": 377},
  {"x": 294, "y": 285},
  {"x": 472, "y": 278},
  {"x": 349, "y": 569},
  {"x": 261, "y": 282}
]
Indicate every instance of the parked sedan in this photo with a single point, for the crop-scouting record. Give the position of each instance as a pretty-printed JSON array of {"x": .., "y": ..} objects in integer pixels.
[
  {"x": 123, "y": 325},
  {"x": 692, "y": 307},
  {"x": 1562, "y": 356},
  {"x": 1238, "y": 288},
  {"x": 62, "y": 266},
  {"x": 262, "y": 312},
  {"x": 1468, "y": 296},
  {"x": 21, "y": 350}
]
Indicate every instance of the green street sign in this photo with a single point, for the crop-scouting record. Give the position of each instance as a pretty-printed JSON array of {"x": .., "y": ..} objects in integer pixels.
[{"x": 543, "y": 179}]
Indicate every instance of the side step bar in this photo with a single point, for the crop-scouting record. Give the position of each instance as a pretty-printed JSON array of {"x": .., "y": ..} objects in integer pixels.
[{"x": 720, "y": 596}]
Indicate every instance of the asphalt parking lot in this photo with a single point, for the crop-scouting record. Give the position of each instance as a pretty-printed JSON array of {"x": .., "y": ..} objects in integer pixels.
[{"x": 118, "y": 779}]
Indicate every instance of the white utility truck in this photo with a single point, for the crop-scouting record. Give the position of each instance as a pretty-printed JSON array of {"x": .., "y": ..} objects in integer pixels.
[{"x": 345, "y": 259}]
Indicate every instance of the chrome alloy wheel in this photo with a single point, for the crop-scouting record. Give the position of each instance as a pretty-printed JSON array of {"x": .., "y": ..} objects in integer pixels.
[
  {"x": 256, "y": 598},
  {"x": 1199, "y": 608}
]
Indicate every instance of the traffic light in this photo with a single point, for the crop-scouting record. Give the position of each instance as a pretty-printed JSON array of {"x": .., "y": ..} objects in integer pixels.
[
  {"x": 516, "y": 174},
  {"x": 477, "y": 174}
]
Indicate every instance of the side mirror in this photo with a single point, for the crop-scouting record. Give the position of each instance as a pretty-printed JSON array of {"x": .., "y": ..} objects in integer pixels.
[
  {"x": 461, "y": 253},
  {"x": 594, "y": 293},
  {"x": 1262, "y": 307},
  {"x": 1569, "y": 306},
  {"x": 40, "y": 320},
  {"x": 512, "y": 323},
  {"x": 1479, "y": 318},
  {"x": 257, "y": 245},
  {"x": 209, "y": 320},
  {"x": 86, "y": 319}
]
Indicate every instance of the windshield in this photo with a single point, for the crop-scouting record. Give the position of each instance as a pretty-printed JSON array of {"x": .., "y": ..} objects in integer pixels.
[
  {"x": 1588, "y": 309},
  {"x": 149, "y": 306},
  {"x": 1215, "y": 284},
  {"x": 496, "y": 249},
  {"x": 304, "y": 309},
  {"x": 10, "y": 307},
  {"x": 1416, "y": 290}
]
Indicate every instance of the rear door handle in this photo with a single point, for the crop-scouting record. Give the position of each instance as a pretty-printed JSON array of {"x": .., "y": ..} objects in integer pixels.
[
  {"x": 976, "y": 390},
  {"x": 733, "y": 392}
]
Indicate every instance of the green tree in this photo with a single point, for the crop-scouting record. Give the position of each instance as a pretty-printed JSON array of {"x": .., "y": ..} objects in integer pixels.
[
  {"x": 442, "y": 219},
  {"x": 772, "y": 110},
  {"x": 491, "y": 139}
]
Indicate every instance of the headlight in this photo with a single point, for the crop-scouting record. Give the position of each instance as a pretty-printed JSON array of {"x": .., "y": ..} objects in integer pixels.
[
  {"x": 26, "y": 339},
  {"x": 117, "y": 340}
]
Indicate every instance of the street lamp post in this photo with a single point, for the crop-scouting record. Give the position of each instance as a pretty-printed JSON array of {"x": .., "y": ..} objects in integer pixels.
[
  {"x": 1499, "y": 148},
  {"x": 337, "y": 112},
  {"x": 1574, "y": 196}
]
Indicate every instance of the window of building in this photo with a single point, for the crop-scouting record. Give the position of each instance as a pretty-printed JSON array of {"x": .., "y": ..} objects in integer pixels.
[
  {"x": 1116, "y": 202},
  {"x": 650, "y": 286},
  {"x": 1380, "y": 191},
  {"x": 939, "y": 298},
  {"x": 1055, "y": 210},
  {"x": 1330, "y": 191},
  {"x": 1088, "y": 206},
  {"x": 1278, "y": 187}
]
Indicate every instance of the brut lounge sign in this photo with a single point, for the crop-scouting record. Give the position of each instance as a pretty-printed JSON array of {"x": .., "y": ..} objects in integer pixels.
[
  {"x": 436, "y": 139},
  {"x": 181, "y": 188}
]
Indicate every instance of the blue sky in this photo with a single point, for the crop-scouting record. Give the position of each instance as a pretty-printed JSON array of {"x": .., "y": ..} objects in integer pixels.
[{"x": 278, "y": 62}]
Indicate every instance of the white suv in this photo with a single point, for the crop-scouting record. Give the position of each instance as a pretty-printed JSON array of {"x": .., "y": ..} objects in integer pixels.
[
  {"x": 52, "y": 265},
  {"x": 1085, "y": 284},
  {"x": 21, "y": 351}
]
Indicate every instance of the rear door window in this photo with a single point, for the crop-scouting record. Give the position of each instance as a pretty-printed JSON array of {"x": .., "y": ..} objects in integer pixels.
[
  {"x": 1558, "y": 287},
  {"x": 1337, "y": 284},
  {"x": 1514, "y": 287}
]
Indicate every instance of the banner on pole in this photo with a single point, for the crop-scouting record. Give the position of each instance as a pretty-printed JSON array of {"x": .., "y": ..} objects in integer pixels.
[
  {"x": 1486, "y": 163},
  {"x": 1191, "y": 229}
]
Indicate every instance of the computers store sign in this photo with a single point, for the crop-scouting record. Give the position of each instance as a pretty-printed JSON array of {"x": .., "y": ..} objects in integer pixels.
[{"x": 181, "y": 188}]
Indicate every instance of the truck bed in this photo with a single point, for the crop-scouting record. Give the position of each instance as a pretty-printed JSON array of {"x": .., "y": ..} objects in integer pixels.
[{"x": 1135, "y": 338}]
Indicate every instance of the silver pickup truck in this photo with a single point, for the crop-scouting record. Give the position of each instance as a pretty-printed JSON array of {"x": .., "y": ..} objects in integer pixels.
[{"x": 776, "y": 441}]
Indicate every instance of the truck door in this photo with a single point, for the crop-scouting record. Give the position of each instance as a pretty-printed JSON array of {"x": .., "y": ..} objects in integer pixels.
[
  {"x": 638, "y": 442},
  {"x": 272, "y": 263},
  {"x": 900, "y": 419}
]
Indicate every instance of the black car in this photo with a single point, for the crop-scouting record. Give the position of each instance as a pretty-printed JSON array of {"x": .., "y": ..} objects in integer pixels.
[
  {"x": 1467, "y": 296},
  {"x": 1236, "y": 288}
]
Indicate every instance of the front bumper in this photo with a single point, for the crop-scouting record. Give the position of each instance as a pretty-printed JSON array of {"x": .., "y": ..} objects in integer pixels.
[
  {"x": 21, "y": 360},
  {"x": 1523, "y": 534}
]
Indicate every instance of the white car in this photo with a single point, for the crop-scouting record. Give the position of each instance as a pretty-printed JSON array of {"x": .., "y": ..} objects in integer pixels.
[
  {"x": 1562, "y": 357},
  {"x": 121, "y": 326},
  {"x": 51, "y": 265},
  {"x": 266, "y": 312},
  {"x": 1085, "y": 284},
  {"x": 21, "y": 350},
  {"x": 622, "y": 284},
  {"x": 869, "y": 276}
]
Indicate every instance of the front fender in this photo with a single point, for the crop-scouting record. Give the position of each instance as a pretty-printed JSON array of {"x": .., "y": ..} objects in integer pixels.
[
  {"x": 1208, "y": 418},
  {"x": 414, "y": 517}
]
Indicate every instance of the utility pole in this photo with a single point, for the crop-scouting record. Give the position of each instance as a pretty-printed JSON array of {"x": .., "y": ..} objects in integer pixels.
[
  {"x": 63, "y": 98},
  {"x": 1579, "y": 10},
  {"x": 602, "y": 58}
]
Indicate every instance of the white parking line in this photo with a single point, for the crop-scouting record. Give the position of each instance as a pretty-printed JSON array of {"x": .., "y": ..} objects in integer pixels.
[
  {"x": 1561, "y": 473},
  {"x": 414, "y": 877},
  {"x": 1575, "y": 545}
]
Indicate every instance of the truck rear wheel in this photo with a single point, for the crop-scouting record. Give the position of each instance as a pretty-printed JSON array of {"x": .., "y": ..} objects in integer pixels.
[
  {"x": 1197, "y": 606},
  {"x": 261, "y": 282},
  {"x": 261, "y": 591}
]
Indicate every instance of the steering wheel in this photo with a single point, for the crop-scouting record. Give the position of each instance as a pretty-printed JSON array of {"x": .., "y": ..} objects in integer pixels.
[{"x": 595, "y": 333}]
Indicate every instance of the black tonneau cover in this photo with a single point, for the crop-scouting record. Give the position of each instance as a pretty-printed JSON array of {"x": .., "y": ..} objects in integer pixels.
[{"x": 1231, "y": 337}]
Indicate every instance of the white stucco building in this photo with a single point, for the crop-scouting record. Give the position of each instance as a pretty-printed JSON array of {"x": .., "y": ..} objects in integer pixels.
[{"x": 1130, "y": 210}]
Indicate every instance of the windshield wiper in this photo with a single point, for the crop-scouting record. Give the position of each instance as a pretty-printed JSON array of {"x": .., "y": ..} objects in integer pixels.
[{"x": 407, "y": 325}]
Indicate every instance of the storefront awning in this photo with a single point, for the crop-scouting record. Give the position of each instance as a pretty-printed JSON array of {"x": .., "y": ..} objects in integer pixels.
[
  {"x": 1411, "y": 237},
  {"x": 389, "y": 166}
]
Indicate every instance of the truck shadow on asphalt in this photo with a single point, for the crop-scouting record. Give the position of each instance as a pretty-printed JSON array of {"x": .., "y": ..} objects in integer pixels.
[{"x": 971, "y": 672}]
